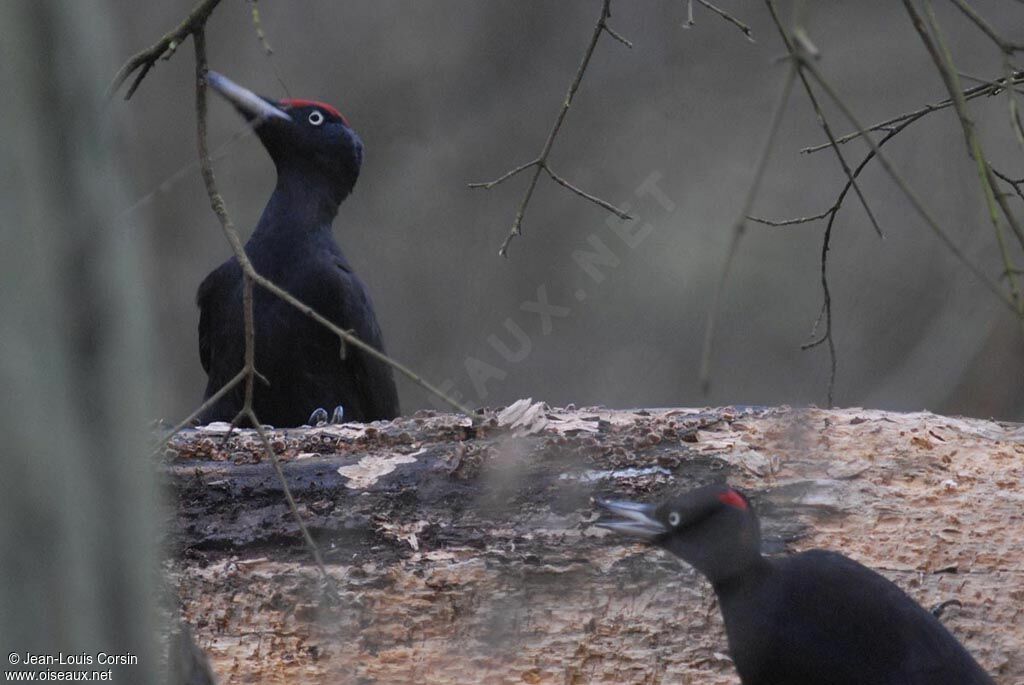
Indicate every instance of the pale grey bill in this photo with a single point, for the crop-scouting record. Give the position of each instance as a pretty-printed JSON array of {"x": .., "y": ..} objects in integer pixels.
[
  {"x": 635, "y": 519},
  {"x": 244, "y": 99}
]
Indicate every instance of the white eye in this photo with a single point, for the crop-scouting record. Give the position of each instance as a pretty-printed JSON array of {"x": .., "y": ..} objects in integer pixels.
[
  {"x": 673, "y": 519},
  {"x": 316, "y": 118}
]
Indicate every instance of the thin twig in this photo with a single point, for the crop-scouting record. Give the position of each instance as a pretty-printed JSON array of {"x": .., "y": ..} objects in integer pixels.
[
  {"x": 1014, "y": 183},
  {"x": 540, "y": 163},
  {"x": 826, "y": 311},
  {"x": 248, "y": 318},
  {"x": 792, "y": 47},
  {"x": 989, "y": 82},
  {"x": 1008, "y": 47},
  {"x": 802, "y": 43},
  {"x": 827, "y": 336},
  {"x": 987, "y": 88},
  {"x": 587, "y": 196},
  {"x": 740, "y": 226},
  {"x": 837, "y": 205},
  {"x": 791, "y": 222},
  {"x": 314, "y": 549},
  {"x": 892, "y": 127},
  {"x": 209, "y": 402},
  {"x": 724, "y": 15},
  {"x": 222, "y": 152},
  {"x": 504, "y": 177},
  {"x": 257, "y": 24},
  {"x": 144, "y": 60},
  {"x": 261, "y": 36},
  {"x": 352, "y": 340},
  {"x": 618, "y": 36}
]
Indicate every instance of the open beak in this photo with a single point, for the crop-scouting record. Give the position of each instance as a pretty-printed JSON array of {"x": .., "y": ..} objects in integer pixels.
[
  {"x": 252, "y": 106},
  {"x": 632, "y": 519}
]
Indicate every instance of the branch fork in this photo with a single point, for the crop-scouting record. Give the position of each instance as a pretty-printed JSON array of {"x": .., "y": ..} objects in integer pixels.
[{"x": 540, "y": 164}]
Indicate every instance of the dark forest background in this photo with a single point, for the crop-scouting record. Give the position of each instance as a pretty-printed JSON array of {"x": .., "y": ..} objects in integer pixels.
[{"x": 452, "y": 92}]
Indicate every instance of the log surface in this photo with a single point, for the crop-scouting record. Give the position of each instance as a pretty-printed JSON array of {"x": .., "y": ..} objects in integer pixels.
[{"x": 464, "y": 554}]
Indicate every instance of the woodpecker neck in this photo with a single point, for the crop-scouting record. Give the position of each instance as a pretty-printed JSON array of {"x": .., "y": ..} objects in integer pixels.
[
  {"x": 304, "y": 199},
  {"x": 300, "y": 204},
  {"x": 725, "y": 547},
  {"x": 741, "y": 570}
]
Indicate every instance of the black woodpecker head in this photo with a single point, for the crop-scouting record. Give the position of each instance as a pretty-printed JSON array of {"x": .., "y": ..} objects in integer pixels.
[
  {"x": 306, "y": 139},
  {"x": 713, "y": 528}
]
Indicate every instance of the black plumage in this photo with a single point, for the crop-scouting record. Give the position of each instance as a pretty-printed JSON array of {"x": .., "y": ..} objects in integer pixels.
[
  {"x": 303, "y": 365},
  {"x": 813, "y": 618}
]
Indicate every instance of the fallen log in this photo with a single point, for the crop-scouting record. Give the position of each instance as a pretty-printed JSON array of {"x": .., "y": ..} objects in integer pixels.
[{"x": 460, "y": 553}]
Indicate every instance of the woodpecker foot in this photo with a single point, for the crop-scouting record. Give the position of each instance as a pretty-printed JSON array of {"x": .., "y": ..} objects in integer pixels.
[{"x": 318, "y": 417}]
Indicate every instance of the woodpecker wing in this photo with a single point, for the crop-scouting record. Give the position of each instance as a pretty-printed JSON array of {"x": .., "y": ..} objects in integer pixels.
[
  {"x": 834, "y": 620},
  {"x": 212, "y": 317},
  {"x": 351, "y": 309}
]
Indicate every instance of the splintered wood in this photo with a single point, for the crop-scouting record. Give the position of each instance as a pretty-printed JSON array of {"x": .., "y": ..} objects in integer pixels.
[{"x": 461, "y": 554}]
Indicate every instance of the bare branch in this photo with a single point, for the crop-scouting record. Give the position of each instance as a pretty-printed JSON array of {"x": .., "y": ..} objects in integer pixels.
[
  {"x": 943, "y": 60},
  {"x": 1014, "y": 183},
  {"x": 915, "y": 201},
  {"x": 261, "y": 36},
  {"x": 791, "y": 222},
  {"x": 222, "y": 151},
  {"x": 988, "y": 82},
  {"x": 144, "y": 61},
  {"x": 209, "y": 402},
  {"x": 618, "y": 36},
  {"x": 314, "y": 549},
  {"x": 893, "y": 127},
  {"x": 490, "y": 184},
  {"x": 540, "y": 163},
  {"x": 257, "y": 24},
  {"x": 724, "y": 15},
  {"x": 987, "y": 88},
  {"x": 587, "y": 196},
  {"x": 837, "y": 205},
  {"x": 826, "y": 310},
  {"x": 1011, "y": 96}
]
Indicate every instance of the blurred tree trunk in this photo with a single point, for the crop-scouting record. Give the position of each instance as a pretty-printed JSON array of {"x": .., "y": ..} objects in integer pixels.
[{"x": 78, "y": 541}]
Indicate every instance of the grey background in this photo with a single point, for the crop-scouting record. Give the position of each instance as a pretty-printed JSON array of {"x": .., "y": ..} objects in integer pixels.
[{"x": 448, "y": 92}]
